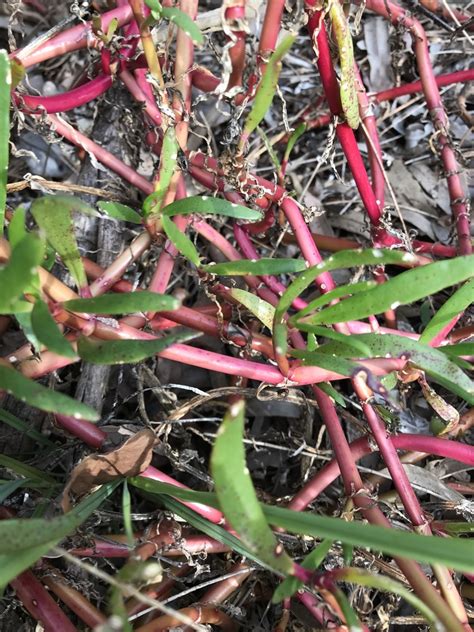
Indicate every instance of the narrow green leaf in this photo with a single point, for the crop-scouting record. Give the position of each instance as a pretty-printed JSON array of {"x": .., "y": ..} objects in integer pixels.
[
  {"x": 18, "y": 72},
  {"x": 43, "y": 398},
  {"x": 405, "y": 288},
  {"x": 17, "y": 532},
  {"x": 12, "y": 564},
  {"x": 124, "y": 303},
  {"x": 267, "y": 87},
  {"x": 455, "y": 553},
  {"x": 348, "y": 86},
  {"x": 128, "y": 351},
  {"x": 54, "y": 215},
  {"x": 312, "y": 562},
  {"x": 455, "y": 305},
  {"x": 384, "y": 583},
  {"x": 41, "y": 534},
  {"x": 7, "y": 489},
  {"x": 459, "y": 349},
  {"x": 154, "y": 5},
  {"x": 329, "y": 362},
  {"x": 269, "y": 148},
  {"x": 432, "y": 361},
  {"x": 24, "y": 427},
  {"x": 184, "y": 22},
  {"x": 331, "y": 392},
  {"x": 259, "y": 267},
  {"x": 181, "y": 242},
  {"x": 347, "y": 340},
  {"x": 211, "y": 205},
  {"x": 47, "y": 331},
  {"x": 295, "y": 136},
  {"x": 168, "y": 160},
  {"x": 24, "y": 320},
  {"x": 5, "y": 82},
  {"x": 210, "y": 529},
  {"x": 27, "y": 471},
  {"x": 342, "y": 290},
  {"x": 120, "y": 211},
  {"x": 261, "y": 309},
  {"x": 20, "y": 271},
  {"x": 16, "y": 227},
  {"x": 343, "y": 259},
  {"x": 237, "y": 495},
  {"x": 127, "y": 514}
]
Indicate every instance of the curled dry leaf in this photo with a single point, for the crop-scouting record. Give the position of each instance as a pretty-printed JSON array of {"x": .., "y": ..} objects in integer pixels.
[
  {"x": 132, "y": 458},
  {"x": 448, "y": 413}
]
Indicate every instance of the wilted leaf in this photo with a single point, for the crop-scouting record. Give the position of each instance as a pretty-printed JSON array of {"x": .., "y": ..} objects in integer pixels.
[
  {"x": 130, "y": 459},
  {"x": 237, "y": 496},
  {"x": 124, "y": 303}
]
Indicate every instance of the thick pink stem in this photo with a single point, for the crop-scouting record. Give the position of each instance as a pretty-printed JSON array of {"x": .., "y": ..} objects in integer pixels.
[
  {"x": 361, "y": 447},
  {"x": 80, "y": 36},
  {"x": 68, "y": 100}
]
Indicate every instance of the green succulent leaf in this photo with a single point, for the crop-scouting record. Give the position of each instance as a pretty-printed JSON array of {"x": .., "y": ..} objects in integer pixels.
[
  {"x": 43, "y": 398},
  {"x": 47, "y": 331},
  {"x": 142, "y": 301},
  {"x": 120, "y": 212},
  {"x": 54, "y": 215},
  {"x": 237, "y": 496},
  {"x": 128, "y": 351},
  {"x": 20, "y": 272}
]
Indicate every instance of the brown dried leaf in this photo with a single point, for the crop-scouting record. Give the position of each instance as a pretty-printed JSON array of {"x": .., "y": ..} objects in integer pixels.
[
  {"x": 132, "y": 458},
  {"x": 448, "y": 413}
]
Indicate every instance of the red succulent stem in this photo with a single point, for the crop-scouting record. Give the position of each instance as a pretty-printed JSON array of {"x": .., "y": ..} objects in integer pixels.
[
  {"x": 67, "y": 100},
  {"x": 457, "y": 192},
  {"x": 75, "y": 38}
]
